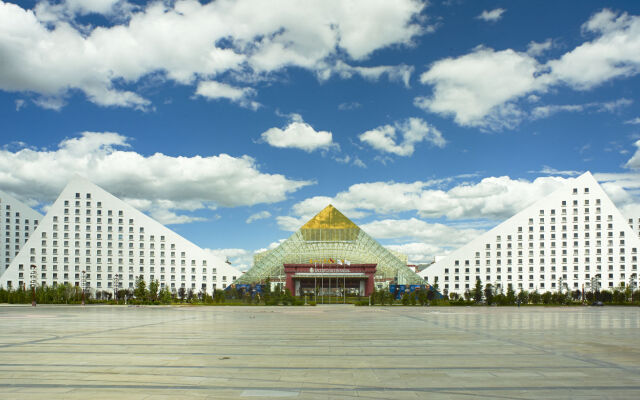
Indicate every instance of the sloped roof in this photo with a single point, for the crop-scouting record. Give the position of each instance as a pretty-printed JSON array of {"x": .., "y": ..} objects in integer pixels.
[{"x": 330, "y": 235}]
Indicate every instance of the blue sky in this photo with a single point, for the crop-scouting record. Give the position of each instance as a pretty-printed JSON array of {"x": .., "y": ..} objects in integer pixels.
[{"x": 235, "y": 122}]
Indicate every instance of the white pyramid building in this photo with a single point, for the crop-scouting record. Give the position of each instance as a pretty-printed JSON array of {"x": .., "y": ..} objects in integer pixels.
[
  {"x": 90, "y": 230},
  {"x": 572, "y": 239},
  {"x": 20, "y": 221}
]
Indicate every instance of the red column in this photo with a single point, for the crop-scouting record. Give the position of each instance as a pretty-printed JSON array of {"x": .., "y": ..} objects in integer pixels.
[{"x": 289, "y": 279}]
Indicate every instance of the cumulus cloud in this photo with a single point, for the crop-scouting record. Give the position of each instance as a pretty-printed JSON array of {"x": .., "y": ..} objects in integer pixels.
[
  {"x": 485, "y": 87},
  {"x": 477, "y": 89},
  {"x": 419, "y": 252},
  {"x": 48, "y": 11},
  {"x": 157, "y": 183},
  {"x": 413, "y": 131},
  {"x": 469, "y": 208},
  {"x": 218, "y": 90},
  {"x": 614, "y": 53},
  {"x": 426, "y": 239},
  {"x": 241, "y": 259},
  {"x": 299, "y": 135},
  {"x": 495, "y": 198},
  {"x": 538, "y": 48},
  {"x": 492, "y": 15},
  {"x": 49, "y": 53},
  {"x": 634, "y": 161},
  {"x": 257, "y": 216}
]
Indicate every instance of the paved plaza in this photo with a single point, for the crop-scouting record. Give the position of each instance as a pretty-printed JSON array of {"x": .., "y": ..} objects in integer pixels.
[{"x": 319, "y": 352}]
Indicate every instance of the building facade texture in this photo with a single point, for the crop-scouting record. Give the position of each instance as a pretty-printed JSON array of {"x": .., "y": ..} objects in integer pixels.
[
  {"x": 573, "y": 239},
  {"x": 89, "y": 237},
  {"x": 20, "y": 221}
]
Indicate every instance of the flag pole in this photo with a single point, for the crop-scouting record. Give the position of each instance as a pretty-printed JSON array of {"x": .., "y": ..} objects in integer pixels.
[{"x": 322, "y": 281}]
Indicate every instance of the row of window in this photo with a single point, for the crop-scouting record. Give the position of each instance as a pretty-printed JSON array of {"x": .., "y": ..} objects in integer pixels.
[
  {"x": 131, "y": 284},
  {"x": 99, "y": 277}
]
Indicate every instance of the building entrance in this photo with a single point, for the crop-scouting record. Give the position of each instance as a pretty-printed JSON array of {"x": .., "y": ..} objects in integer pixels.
[{"x": 330, "y": 279}]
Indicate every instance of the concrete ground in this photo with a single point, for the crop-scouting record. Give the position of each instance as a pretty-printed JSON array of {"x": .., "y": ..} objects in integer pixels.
[{"x": 323, "y": 352}]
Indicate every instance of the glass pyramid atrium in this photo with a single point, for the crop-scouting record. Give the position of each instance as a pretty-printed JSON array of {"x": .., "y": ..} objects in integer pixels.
[{"x": 327, "y": 238}]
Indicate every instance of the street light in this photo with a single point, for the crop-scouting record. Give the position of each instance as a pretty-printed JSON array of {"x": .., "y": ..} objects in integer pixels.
[
  {"x": 116, "y": 278},
  {"x": 34, "y": 274},
  {"x": 83, "y": 283}
]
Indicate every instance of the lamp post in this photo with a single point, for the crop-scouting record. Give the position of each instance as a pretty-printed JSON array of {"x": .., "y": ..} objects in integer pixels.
[
  {"x": 33, "y": 285},
  {"x": 116, "y": 278},
  {"x": 83, "y": 282}
]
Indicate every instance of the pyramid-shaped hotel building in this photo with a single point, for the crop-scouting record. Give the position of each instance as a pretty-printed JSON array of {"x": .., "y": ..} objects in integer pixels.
[
  {"x": 90, "y": 232},
  {"x": 572, "y": 239}
]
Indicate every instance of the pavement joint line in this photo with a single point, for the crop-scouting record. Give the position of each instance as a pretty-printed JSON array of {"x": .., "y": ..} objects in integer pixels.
[
  {"x": 330, "y": 368},
  {"x": 346, "y": 387}
]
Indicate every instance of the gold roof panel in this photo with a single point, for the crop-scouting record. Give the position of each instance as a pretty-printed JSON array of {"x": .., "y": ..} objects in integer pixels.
[{"x": 329, "y": 218}]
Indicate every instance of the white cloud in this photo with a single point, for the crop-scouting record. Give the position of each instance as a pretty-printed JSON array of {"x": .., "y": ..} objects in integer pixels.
[
  {"x": 614, "y": 53},
  {"x": 187, "y": 41},
  {"x": 68, "y": 9},
  {"x": 413, "y": 131},
  {"x": 484, "y": 88},
  {"x": 257, "y": 216},
  {"x": 552, "y": 171},
  {"x": 157, "y": 183},
  {"x": 419, "y": 252},
  {"x": 536, "y": 49},
  {"x": 401, "y": 73},
  {"x": 494, "y": 198},
  {"x": 634, "y": 161},
  {"x": 634, "y": 121},
  {"x": 609, "y": 106},
  {"x": 477, "y": 88},
  {"x": 548, "y": 110},
  {"x": 20, "y": 103},
  {"x": 241, "y": 259},
  {"x": 218, "y": 90},
  {"x": 413, "y": 228},
  {"x": 299, "y": 135},
  {"x": 359, "y": 163},
  {"x": 349, "y": 106},
  {"x": 491, "y": 16},
  {"x": 469, "y": 208}
]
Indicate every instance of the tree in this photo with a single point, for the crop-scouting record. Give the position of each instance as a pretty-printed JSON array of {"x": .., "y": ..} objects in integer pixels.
[
  {"x": 477, "y": 291},
  {"x": 488, "y": 293},
  {"x": 153, "y": 290},
  {"x": 523, "y": 297},
  {"x": 165, "y": 296},
  {"x": 182, "y": 292},
  {"x": 511, "y": 295},
  {"x": 534, "y": 297},
  {"x": 141, "y": 288},
  {"x": 546, "y": 298}
]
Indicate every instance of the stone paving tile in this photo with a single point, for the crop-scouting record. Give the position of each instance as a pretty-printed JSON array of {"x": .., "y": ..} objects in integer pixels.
[{"x": 323, "y": 352}]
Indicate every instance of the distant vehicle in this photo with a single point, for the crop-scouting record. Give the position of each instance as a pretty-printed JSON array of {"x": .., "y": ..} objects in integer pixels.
[{"x": 597, "y": 304}]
